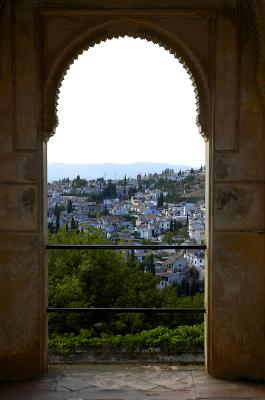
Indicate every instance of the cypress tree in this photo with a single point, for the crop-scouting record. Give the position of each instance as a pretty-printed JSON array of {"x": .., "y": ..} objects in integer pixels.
[
  {"x": 152, "y": 265},
  {"x": 57, "y": 224},
  {"x": 69, "y": 207},
  {"x": 187, "y": 222},
  {"x": 56, "y": 210},
  {"x": 57, "y": 213},
  {"x": 160, "y": 201},
  {"x": 73, "y": 225},
  {"x": 124, "y": 184}
]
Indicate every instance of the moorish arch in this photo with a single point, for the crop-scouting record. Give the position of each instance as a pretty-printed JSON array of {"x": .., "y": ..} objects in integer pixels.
[
  {"x": 200, "y": 78},
  {"x": 134, "y": 29},
  {"x": 222, "y": 44}
]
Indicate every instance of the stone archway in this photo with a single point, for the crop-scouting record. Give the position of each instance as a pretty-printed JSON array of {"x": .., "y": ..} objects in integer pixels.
[
  {"x": 128, "y": 27},
  {"x": 214, "y": 39},
  {"x": 121, "y": 28}
]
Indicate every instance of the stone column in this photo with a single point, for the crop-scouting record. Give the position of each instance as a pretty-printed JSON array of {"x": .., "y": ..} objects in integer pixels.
[
  {"x": 236, "y": 255},
  {"x": 22, "y": 268}
]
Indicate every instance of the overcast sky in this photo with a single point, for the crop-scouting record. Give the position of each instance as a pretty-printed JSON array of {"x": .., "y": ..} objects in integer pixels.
[{"x": 127, "y": 100}]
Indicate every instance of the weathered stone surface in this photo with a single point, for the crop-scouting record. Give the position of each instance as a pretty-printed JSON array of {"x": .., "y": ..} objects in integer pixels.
[
  {"x": 17, "y": 167},
  {"x": 239, "y": 166},
  {"x": 129, "y": 382},
  {"x": 27, "y": 94},
  {"x": 22, "y": 299},
  {"x": 18, "y": 208},
  {"x": 236, "y": 310},
  {"x": 239, "y": 206},
  {"x": 6, "y": 86},
  {"x": 226, "y": 84}
]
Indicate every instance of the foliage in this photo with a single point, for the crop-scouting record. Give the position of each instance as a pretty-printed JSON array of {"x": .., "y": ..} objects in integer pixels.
[
  {"x": 94, "y": 197},
  {"x": 108, "y": 278},
  {"x": 147, "y": 241},
  {"x": 171, "y": 236},
  {"x": 175, "y": 225},
  {"x": 181, "y": 339},
  {"x": 94, "y": 278},
  {"x": 160, "y": 201},
  {"x": 69, "y": 206},
  {"x": 131, "y": 218},
  {"x": 148, "y": 264},
  {"x": 168, "y": 171},
  {"x": 110, "y": 192},
  {"x": 169, "y": 299},
  {"x": 57, "y": 213},
  {"x": 65, "y": 180},
  {"x": 79, "y": 182},
  {"x": 177, "y": 191}
]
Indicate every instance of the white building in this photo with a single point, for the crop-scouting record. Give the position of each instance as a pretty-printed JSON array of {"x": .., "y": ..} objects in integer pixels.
[
  {"x": 144, "y": 232},
  {"x": 196, "y": 229},
  {"x": 195, "y": 258},
  {"x": 166, "y": 279}
]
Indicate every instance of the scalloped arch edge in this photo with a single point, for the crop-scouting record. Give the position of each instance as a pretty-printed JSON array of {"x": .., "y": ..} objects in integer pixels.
[{"x": 109, "y": 31}]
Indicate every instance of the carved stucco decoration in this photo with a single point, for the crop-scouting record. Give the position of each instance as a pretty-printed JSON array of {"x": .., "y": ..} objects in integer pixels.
[
  {"x": 256, "y": 15},
  {"x": 121, "y": 28}
]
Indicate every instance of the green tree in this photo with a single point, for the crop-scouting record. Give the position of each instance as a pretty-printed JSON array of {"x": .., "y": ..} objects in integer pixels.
[
  {"x": 124, "y": 184},
  {"x": 110, "y": 192},
  {"x": 65, "y": 180},
  {"x": 108, "y": 278},
  {"x": 69, "y": 206},
  {"x": 57, "y": 212},
  {"x": 105, "y": 210},
  {"x": 79, "y": 182},
  {"x": 151, "y": 265},
  {"x": 57, "y": 222},
  {"x": 160, "y": 201},
  {"x": 131, "y": 192},
  {"x": 51, "y": 227},
  {"x": 187, "y": 222},
  {"x": 101, "y": 180},
  {"x": 73, "y": 224},
  {"x": 96, "y": 279},
  {"x": 172, "y": 225}
]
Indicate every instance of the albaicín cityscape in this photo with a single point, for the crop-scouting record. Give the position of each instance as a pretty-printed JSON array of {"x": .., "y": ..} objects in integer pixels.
[{"x": 161, "y": 208}]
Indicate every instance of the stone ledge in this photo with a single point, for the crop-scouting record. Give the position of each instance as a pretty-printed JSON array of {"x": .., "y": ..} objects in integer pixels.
[{"x": 110, "y": 356}]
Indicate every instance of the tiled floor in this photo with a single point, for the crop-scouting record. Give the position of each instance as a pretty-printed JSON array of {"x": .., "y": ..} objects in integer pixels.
[{"x": 129, "y": 382}]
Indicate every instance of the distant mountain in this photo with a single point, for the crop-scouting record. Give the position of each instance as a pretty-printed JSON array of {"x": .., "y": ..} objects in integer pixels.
[{"x": 58, "y": 171}]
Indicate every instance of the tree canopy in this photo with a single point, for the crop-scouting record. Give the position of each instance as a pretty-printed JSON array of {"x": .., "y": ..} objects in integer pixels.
[{"x": 107, "y": 278}]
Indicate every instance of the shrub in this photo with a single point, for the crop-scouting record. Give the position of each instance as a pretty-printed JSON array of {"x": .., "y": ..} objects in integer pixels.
[{"x": 181, "y": 339}]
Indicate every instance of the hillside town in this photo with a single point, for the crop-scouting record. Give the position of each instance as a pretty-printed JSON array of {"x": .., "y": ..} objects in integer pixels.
[{"x": 166, "y": 208}]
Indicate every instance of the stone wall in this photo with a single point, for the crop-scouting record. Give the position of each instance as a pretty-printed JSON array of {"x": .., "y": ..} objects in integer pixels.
[{"x": 222, "y": 44}]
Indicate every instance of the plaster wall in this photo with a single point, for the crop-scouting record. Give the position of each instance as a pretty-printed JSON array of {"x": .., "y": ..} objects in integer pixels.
[{"x": 215, "y": 39}]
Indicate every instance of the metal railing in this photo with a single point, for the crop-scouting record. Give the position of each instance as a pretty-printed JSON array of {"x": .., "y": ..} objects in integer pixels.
[{"x": 123, "y": 309}]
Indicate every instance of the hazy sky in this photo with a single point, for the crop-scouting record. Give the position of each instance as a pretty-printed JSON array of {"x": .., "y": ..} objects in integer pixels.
[{"x": 127, "y": 100}]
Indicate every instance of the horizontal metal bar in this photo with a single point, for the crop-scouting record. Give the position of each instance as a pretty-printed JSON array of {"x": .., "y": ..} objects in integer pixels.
[
  {"x": 122, "y": 247},
  {"x": 124, "y": 310}
]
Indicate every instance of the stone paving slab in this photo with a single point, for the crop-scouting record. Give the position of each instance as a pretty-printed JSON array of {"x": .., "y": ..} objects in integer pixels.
[{"x": 129, "y": 382}]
